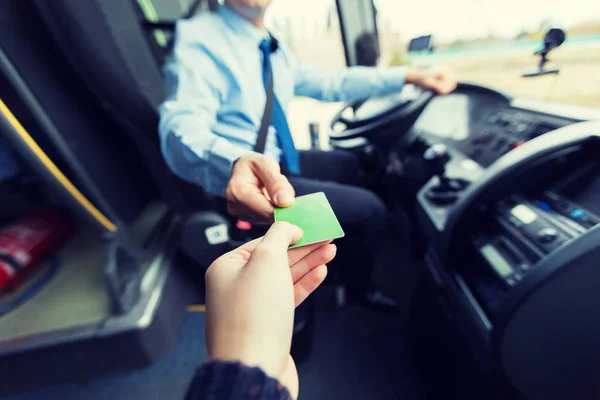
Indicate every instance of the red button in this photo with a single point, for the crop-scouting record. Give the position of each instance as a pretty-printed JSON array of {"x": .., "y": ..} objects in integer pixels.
[
  {"x": 518, "y": 144},
  {"x": 243, "y": 225}
]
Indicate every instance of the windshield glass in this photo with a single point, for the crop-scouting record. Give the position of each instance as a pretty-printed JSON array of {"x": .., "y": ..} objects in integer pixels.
[{"x": 491, "y": 42}]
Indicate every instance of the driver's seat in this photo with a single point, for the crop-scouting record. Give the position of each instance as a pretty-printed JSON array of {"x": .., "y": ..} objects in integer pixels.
[{"x": 114, "y": 52}]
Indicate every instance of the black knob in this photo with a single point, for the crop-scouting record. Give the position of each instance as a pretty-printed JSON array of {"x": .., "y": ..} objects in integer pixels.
[
  {"x": 548, "y": 235},
  {"x": 437, "y": 156}
]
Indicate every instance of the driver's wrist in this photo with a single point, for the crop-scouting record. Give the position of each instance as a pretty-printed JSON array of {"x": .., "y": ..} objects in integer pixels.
[{"x": 414, "y": 76}]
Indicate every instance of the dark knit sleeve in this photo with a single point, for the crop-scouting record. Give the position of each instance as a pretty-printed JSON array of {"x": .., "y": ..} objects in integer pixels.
[{"x": 233, "y": 381}]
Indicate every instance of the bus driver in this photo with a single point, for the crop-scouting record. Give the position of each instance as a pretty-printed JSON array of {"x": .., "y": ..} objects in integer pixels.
[{"x": 217, "y": 80}]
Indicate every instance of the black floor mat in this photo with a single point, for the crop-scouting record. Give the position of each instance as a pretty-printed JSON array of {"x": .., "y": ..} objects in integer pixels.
[
  {"x": 359, "y": 353},
  {"x": 356, "y": 354}
]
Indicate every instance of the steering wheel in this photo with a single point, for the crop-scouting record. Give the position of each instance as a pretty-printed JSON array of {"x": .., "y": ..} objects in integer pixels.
[{"x": 380, "y": 119}]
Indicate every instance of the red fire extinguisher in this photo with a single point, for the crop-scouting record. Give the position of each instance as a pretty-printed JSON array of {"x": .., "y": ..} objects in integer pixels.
[{"x": 26, "y": 241}]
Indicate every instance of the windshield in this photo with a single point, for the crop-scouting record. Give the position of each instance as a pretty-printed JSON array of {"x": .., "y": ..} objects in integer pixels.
[
  {"x": 488, "y": 42},
  {"x": 491, "y": 42}
]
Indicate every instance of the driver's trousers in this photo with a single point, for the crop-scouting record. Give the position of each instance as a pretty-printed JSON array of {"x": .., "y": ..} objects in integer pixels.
[{"x": 361, "y": 212}]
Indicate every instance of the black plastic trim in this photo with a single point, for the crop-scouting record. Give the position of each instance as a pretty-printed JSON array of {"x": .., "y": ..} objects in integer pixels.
[
  {"x": 549, "y": 268},
  {"x": 343, "y": 29}
]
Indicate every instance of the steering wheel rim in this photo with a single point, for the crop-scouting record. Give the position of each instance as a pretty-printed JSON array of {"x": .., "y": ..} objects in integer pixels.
[{"x": 365, "y": 127}]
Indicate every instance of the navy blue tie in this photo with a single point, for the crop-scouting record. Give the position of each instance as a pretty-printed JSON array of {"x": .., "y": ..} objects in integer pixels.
[{"x": 279, "y": 122}]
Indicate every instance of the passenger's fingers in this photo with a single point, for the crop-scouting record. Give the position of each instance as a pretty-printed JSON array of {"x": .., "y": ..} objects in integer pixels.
[
  {"x": 295, "y": 255},
  {"x": 280, "y": 236},
  {"x": 309, "y": 283},
  {"x": 241, "y": 254},
  {"x": 321, "y": 256}
]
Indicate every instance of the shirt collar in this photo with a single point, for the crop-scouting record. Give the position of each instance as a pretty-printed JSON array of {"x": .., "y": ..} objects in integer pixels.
[{"x": 242, "y": 26}]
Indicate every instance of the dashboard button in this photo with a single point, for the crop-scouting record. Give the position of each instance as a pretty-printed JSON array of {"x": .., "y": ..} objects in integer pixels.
[
  {"x": 547, "y": 235},
  {"x": 577, "y": 214},
  {"x": 522, "y": 127},
  {"x": 544, "y": 206},
  {"x": 504, "y": 118},
  {"x": 518, "y": 144}
]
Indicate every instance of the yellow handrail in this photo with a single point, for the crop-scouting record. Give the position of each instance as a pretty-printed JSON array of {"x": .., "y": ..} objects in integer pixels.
[{"x": 58, "y": 175}]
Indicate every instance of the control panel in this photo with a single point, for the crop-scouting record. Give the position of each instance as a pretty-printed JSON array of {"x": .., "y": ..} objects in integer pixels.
[
  {"x": 504, "y": 130},
  {"x": 525, "y": 231}
]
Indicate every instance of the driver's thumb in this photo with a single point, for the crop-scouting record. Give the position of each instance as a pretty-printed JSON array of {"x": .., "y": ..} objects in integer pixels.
[{"x": 278, "y": 187}]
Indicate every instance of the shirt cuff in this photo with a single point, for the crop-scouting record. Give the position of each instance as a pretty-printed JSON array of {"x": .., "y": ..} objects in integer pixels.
[
  {"x": 222, "y": 156},
  {"x": 393, "y": 78}
]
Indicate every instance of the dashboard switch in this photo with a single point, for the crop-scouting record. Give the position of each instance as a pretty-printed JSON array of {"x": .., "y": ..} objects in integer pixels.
[
  {"x": 547, "y": 235},
  {"x": 544, "y": 206},
  {"x": 577, "y": 214},
  {"x": 522, "y": 128},
  {"x": 518, "y": 144}
]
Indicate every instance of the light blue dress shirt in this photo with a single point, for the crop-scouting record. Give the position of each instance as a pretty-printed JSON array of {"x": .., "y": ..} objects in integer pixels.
[{"x": 216, "y": 98}]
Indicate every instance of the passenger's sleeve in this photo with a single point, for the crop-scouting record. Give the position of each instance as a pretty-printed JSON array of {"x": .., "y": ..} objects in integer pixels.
[
  {"x": 195, "y": 87},
  {"x": 220, "y": 380},
  {"x": 348, "y": 84}
]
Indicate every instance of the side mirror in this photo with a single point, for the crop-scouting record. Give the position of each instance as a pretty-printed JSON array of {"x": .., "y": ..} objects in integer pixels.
[{"x": 553, "y": 39}]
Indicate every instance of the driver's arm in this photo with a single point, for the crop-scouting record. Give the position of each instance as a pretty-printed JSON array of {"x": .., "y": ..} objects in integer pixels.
[
  {"x": 359, "y": 83},
  {"x": 348, "y": 84},
  {"x": 195, "y": 87}
]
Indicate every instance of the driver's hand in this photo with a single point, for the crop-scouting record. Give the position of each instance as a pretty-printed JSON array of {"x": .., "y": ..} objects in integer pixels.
[
  {"x": 255, "y": 186},
  {"x": 439, "y": 79}
]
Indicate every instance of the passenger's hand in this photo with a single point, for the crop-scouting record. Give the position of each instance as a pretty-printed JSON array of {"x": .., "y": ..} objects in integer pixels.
[
  {"x": 255, "y": 186},
  {"x": 251, "y": 296},
  {"x": 439, "y": 79}
]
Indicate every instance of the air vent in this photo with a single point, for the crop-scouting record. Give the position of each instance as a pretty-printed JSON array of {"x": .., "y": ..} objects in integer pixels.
[{"x": 541, "y": 128}]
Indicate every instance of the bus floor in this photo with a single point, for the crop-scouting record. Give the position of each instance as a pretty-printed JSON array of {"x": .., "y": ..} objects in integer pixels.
[{"x": 356, "y": 353}]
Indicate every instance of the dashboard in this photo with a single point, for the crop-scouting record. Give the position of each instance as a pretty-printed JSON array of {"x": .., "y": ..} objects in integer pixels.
[
  {"x": 511, "y": 237},
  {"x": 483, "y": 124}
]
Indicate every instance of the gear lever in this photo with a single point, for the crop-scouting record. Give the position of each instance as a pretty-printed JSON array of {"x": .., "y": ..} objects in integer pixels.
[
  {"x": 446, "y": 191},
  {"x": 437, "y": 157}
]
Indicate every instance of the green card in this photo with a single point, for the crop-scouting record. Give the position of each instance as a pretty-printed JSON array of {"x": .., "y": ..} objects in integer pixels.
[{"x": 314, "y": 215}]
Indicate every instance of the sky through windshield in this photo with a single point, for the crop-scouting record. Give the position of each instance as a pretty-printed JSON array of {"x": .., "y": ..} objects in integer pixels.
[{"x": 457, "y": 19}]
